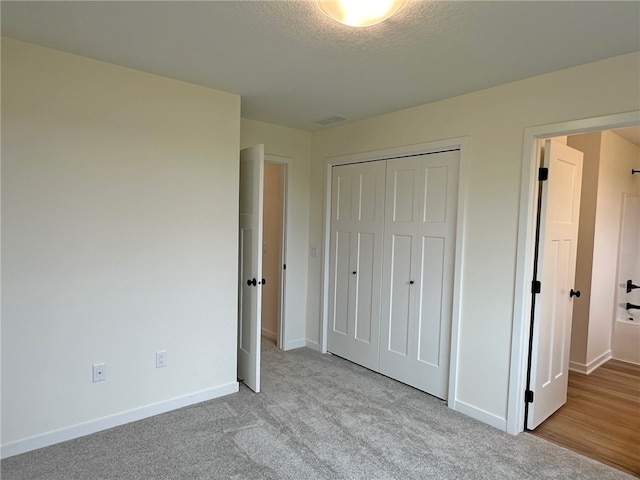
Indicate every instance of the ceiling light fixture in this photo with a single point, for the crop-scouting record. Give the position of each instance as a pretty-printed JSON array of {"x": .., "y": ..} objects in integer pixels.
[{"x": 360, "y": 13}]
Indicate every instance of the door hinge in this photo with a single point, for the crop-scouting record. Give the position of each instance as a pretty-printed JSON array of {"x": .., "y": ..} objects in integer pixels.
[
  {"x": 528, "y": 396},
  {"x": 543, "y": 174},
  {"x": 536, "y": 286}
]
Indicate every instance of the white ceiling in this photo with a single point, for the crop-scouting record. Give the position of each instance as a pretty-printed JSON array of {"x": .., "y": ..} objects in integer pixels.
[{"x": 292, "y": 65}]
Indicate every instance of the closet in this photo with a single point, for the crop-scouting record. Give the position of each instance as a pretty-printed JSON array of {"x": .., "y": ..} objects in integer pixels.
[{"x": 393, "y": 228}]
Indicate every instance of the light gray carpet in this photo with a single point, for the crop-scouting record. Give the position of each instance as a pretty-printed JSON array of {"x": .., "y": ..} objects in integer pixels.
[{"x": 318, "y": 417}]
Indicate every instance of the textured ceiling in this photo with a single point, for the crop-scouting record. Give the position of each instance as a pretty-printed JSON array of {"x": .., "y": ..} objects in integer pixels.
[{"x": 292, "y": 65}]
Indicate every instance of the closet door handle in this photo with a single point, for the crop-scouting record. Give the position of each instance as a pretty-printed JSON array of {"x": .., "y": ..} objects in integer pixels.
[
  {"x": 264, "y": 281},
  {"x": 354, "y": 272},
  {"x": 574, "y": 293},
  {"x": 252, "y": 282},
  {"x": 410, "y": 282}
]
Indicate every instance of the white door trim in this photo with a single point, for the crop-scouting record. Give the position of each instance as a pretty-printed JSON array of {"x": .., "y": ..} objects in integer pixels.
[
  {"x": 526, "y": 243},
  {"x": 461, "y": 144},
  {"x": 285, "y": 222}
]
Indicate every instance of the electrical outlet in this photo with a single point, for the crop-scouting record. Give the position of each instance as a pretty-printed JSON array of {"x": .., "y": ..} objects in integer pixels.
[
  {"x": 99, "y": 372},
  {"x": 161, "y": 359}
]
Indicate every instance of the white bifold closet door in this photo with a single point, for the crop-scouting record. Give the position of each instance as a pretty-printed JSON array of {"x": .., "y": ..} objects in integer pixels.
[
  {"x": 419, "y": 251},
  {"x": 393, "y": 227},
  {"x": 357, "y": 222}
]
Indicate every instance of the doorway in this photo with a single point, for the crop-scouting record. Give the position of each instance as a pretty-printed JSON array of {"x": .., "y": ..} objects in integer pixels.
[
  {"x": 251, "y": 277},
  {"x": 526, "y": 248},
  {"x": 273, "y": 249},
  {"x": 597, "y": 419}
]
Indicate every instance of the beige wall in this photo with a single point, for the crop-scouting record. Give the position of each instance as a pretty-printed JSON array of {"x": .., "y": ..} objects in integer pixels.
[
  {"x": 272, "y": 247},
  {"x": 295, "y": 146},
  {"x": 589, "y": 144},
  {"x": 119, "y": 238},
  {"x": 494, "y": 121}
]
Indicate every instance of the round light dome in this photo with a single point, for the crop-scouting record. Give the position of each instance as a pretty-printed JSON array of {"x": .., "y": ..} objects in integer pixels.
[{"x": 360, "y": 13}]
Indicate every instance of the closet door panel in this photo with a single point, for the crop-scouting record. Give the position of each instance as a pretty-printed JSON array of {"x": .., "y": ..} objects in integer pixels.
[
  {"x": 435, "y": 194},
  {"x": 402, "y": 195},
  {"x": 399, "y": 294},
  {"x": 365, "y": 281},
  {"x": 368, "y": 189},
  {"x": 339, "y": 292},
  {"x": 341, "y": 282},
  {"x": 437, "y": 231},
  {"x": 342, "y": 202},
  {"x": 430, "y": 312},
  {"x": 400, "y": 251},
  {"x": 421, "y": 207},
  {"x": 368, "y": 225},
  {"x": 357, "y": 223}
]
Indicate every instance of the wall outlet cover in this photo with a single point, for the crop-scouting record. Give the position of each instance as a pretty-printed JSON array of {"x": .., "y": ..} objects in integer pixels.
[
  {"x": 161, "y": 359},
  {"x": 99, "y": 372}
]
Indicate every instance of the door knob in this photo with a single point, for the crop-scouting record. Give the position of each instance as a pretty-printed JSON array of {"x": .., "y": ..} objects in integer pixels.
[
  {"x": 354, "y": 272},
  {"x": 631, "y": 286},
  {"x": 410, "y": 282},
  {"x": 264, "y": 281},
  {"x": 252, "y": 282},
  {"x": 574, "y": 293}
]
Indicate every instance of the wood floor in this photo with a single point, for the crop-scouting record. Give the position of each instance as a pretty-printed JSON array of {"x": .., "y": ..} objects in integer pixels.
[{"x": 601, "y": 418}]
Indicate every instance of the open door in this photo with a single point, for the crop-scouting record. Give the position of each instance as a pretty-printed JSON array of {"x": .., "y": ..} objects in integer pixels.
[
  {"x": 553, "y": 306},
  {"x": 250, "y": 265}
]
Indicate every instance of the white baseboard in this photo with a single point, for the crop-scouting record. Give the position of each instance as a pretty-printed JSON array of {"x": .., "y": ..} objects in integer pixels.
[
  {"x": 293, "y": 344},
  {"x": 68, "y": 433},
  {"x": 589, "y": 368},
  {"x": 312, "y": 345},
  {"x": 626, "y": 360},
  {"x": 481, "y": 415},
  {"x": 302, "y": 343},
  {"x": 269, "y": 334}
]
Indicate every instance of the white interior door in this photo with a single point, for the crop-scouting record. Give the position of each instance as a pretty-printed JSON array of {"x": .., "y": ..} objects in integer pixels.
[
  {"x": 250, "y": 265},
  {"x": 357, "y": 222},
  {"x": 557, "y": 245},
  {"x": 419, "y": 252}
]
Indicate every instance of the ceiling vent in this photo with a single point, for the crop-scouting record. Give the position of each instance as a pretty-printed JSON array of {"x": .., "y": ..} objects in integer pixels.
[{"x": 330, "y": 120}]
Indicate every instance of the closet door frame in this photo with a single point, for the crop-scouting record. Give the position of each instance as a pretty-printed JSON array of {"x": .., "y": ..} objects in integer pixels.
[{"x": 461, "y": 144}]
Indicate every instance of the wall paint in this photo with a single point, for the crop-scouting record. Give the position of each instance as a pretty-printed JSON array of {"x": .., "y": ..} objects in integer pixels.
[
  {"x": 494, "y": 120},
  {"x": 272, "y": 247},
  {"x": 294, "y": 145},
  {"x": 589, "y": 144},
  {"x": 119, "y": 207}
]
